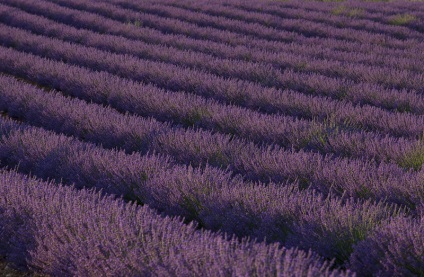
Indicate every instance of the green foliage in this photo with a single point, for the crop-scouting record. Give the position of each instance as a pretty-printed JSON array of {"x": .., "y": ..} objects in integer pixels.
[
  {"x": 192, "y": 205},
  {"x": 302, "y": 65},
  {"x": 196, "y": 116},
  {"x": 219, "y": 158},
  {"x": 339, "y": 10},
  {"x": 347, "y": 11},
  {"x": 136, "y": 23},
  {"x": 404, "y": 107},
  {"x": 332, "y": 0},
  {"x": 364, "y": 192},
  {"x": 414, "y": 159},
  {"x": 402, "y": 19}
]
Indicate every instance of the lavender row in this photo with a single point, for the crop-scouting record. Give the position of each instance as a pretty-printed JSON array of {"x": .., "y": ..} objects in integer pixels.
[
  {"x": 302, "y": 26},
  {"x": 359, "y": 93},
  {"x": 82, "y": 19},
  {"x": 184, "y": 79},
  {"x": 162, "y": 24},
  {"x": 400, "y": 80},
  {"x": 268, "y": 12},
  {"x": 182, "y": 15},
  {"x": 292, "y": 28},
  {"x": 408, "y": 17},
  {"x": 182, "y": 108},
  {"x": 395, "y": 249},
  {"x": 383, "y": 17},
  {"x": 369, "y": 10},
  {"x": 389, "y": 14},
  {"x": 196, "y": 26},
  {"x": 191, "y": 110},
  {"x": 329, "y": 226},
  {"x": 58, "y": 230},
  {"x": 203, "y": 18},
  {"x": 245, "y": 94},
  {"x": 385, "y": 76},
  {"x": 370, "y": 57},
  {"x": 331, "y": 14},
  {"x": 339, "y": 17},
  {"x": 271, "y": 100},
  {"x": 373, "y": 8},
  {"x": 96, "y": 124},
  {"x": 168, "y": 25},
  {"x": 101, "y": 24}
]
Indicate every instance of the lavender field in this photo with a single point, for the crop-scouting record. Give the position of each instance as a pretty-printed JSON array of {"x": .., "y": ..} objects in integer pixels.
[{"x": 211, "y": 138}]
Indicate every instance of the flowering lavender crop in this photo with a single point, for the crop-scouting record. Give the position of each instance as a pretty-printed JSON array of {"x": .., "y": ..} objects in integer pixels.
[
  {"x": 211, "y": 138},
  {"x": 397, "y": 249},
  {"x": 61, "y": 231}
]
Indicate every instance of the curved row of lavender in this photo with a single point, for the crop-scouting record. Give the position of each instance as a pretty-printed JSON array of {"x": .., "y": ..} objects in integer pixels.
[
  {"x": 286, "y": 138},
  {"x": 126, "y": 239}
]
